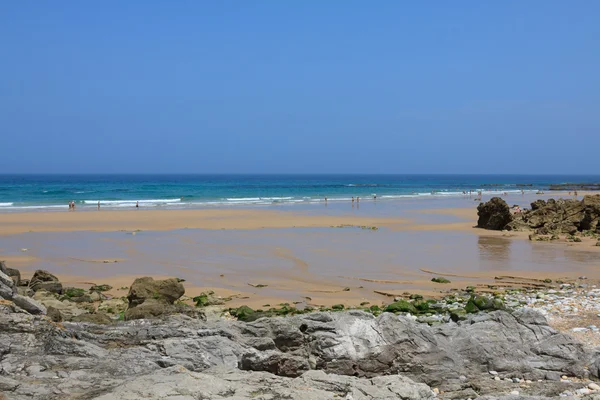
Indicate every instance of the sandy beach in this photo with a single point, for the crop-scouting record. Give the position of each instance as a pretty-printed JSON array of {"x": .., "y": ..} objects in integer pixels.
[{"x": 310, "y": 259}]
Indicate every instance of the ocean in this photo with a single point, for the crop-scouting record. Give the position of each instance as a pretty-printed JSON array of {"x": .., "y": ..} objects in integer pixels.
[{"x": 54, "y": 192}]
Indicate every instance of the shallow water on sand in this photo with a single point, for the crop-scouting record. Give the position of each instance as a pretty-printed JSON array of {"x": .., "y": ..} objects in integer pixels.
[{"x": 300, "y": 262}]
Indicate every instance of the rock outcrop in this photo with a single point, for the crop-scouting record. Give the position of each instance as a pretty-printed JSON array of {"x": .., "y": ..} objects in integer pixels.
[
  {"x": 545, "y": 217},
  {"x": 310, "y": 356},
  {"x": 149, "y": 298},
  {"x": 494, "y": 214}
]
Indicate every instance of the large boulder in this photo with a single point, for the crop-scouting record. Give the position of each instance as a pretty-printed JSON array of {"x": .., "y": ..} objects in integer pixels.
[
  {"x": 149, "y": 298},
  {"x": 164, "y": 291},
  {"x": 494, "y": 214},
  {"x": 45, "y": 280}
]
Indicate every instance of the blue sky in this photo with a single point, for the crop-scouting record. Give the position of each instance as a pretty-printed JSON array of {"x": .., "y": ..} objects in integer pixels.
[{"x": 300, "y": 86}]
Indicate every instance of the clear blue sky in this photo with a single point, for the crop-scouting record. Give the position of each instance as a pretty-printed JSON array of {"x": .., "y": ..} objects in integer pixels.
[{"x": 300, "y": 86}]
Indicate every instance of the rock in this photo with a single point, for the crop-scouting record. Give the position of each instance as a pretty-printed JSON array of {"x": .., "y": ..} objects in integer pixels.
[
  {"x": 593, "y": 386},
  {"x": 15, "y": 274},
  {"x": 100, "y": 288},
  {"x": 164, "y": 291},
  {"x": 401, "y": 306},
  {"x": 6, "y": 292},
  {"x": 76, "y": 295},
  {"x": 54, "y": 314},
  {"x": 95, "y": 318},
  {"x": 206, "y": 299},
  {"x": 178, "y": 383},
  {"x": 6, "y": 280},
  {"x": 494, "y": 214},
  {"x": 153, "y": 309},
  {"x": 347, "y": 354},
  {"x": 113, "y": 306},
  {"x": 67, "y": 309},
  {"x": 560, "y": 216},
  {"x": 45, "y": 280},
  {"x": 28, "y": 304},
  {"x": 440, "y": 280}
]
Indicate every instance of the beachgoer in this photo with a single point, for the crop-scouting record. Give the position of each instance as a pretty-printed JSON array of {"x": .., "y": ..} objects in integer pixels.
[
  {"x": 98, "y": 204},
  {"x": 70, "y": 206},
  {"x": 73, "y": 202},
  {"x": 137, "y": 204},
  {"x": 352, "y": 199},
  {"x": 522, "y": 192},
  {"x": 575, "y": 192},
  {"x": 357, "y": 199},
  {"x": 569, "y": 193},
  {"x": 325, "y": 199},
  {"x": 374, "y": 197}
]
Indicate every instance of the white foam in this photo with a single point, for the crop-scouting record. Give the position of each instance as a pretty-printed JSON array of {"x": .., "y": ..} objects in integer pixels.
[
  {"x": 119, "y": 203},
  {"x": 244, "y": 199},
  {"x": 6, "y": 204},
  {"x": 37, "y": 207}
]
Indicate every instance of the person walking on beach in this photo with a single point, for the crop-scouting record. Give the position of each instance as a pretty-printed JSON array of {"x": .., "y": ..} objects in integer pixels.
[
  {"x": 352, "y": 199},
  {"x": 357, "y": 199},
  {"x": 98, "y": 204},
  {"x": 137, "y": 204}
]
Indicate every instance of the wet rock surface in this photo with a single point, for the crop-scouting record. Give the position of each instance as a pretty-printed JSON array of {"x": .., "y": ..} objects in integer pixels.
[{"x": 494, "y": 214}]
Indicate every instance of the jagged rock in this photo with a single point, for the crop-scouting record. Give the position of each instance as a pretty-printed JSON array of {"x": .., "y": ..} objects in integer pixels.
[
  {"x": 164, "y": 291},
  {"x": 494, "y": 214},
  {"x": 76, "y": 295},
  {"x": 28, "y": 304},
  {"x": 45, "y": 280},
  {"x": 560, "y": 216}
]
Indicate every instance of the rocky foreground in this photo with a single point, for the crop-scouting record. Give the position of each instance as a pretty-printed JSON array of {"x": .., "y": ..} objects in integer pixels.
[{"x": 164, "y": 350}]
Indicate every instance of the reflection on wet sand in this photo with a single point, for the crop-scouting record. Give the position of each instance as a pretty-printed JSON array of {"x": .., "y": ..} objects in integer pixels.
[{"x": 494, "y": 253}]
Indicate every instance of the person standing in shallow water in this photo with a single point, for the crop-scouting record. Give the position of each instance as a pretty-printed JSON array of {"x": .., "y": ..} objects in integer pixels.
[
  {"x": 137, "y": 204},
  {"x": 98, "y": 204}
]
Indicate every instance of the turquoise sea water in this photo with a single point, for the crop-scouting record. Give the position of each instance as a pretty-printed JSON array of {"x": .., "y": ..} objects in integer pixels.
[{"x": 48, "y": 192}]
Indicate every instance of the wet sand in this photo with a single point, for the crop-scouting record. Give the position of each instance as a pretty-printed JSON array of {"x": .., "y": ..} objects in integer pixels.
[
  {"x": 161, "y": 220},
  {"x": 301, "y": 257}
]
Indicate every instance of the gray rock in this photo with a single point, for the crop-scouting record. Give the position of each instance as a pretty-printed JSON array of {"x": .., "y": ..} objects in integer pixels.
[
  {"x": 178, "y": 383},
  {"x": 45, "y": 280},
  {"x": 355, "y": 355},
  {"x": 28, "y": 304}
]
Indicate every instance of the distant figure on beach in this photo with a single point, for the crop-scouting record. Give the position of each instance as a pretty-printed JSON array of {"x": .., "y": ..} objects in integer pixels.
[
  {"x": 352, "y": 199},
  {"x": 70, "y": 206},
  {"x": 98, "y": 204},
  {"x": 325, "y": 199},
  {"x": 357, "y": 199},
  {"x": 374, "y": 197},
  {"x": 522, "y": 192},
  {"x": 137, "y": 204},
  {"x": 575, "y": 193}
]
